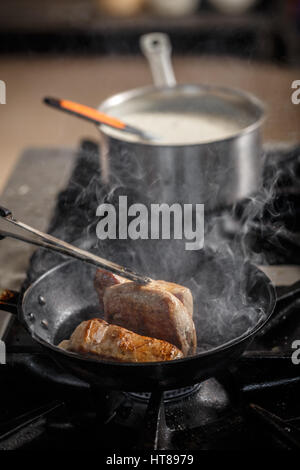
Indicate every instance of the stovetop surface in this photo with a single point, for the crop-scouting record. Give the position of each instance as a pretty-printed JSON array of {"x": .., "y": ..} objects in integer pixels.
[{"x": 253, "y": 405}]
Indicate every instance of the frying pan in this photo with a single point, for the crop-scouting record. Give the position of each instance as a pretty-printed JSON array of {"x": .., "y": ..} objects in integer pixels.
[{"x": 61, "y": 298}]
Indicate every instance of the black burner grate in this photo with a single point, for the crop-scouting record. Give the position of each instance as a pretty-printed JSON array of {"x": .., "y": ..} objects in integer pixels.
[{"x": 169, "y": 395}]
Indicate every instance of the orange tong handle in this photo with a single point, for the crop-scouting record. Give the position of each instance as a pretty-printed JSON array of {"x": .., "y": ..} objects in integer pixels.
[{"x": 87, "y": 112}]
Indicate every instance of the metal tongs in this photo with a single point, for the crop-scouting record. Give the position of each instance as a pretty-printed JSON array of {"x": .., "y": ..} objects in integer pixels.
[{"x": 55, "y": 244}]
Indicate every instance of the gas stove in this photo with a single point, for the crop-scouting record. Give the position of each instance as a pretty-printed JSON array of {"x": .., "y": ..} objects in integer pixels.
[{"x": 252, "y": 405}]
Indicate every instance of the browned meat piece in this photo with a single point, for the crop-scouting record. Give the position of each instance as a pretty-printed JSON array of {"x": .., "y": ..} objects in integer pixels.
[
  {"x": 151, "y": 310},
  {"x": 182, "y": 293},
  {"x": 98, "y": 339},
  {"x": 105, "y": 279}
]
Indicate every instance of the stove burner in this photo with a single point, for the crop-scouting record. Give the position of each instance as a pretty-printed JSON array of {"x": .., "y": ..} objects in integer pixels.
[{"x": 169, "y": 395}]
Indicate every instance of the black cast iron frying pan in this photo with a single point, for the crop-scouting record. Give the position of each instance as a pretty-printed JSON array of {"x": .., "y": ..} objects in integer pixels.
[{"x": 59, "y": 300}]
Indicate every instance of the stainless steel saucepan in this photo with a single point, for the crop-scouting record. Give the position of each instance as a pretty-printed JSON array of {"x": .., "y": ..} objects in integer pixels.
[{"x": 217, "y": 167}]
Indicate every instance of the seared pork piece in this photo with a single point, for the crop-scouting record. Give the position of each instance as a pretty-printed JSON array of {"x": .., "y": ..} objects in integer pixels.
[
  {"x": 151, "y": 310},
  {"x": 98, "y": 339},
  {"x": 105, "y": 279},
  {"x": 182, "y": 293}
]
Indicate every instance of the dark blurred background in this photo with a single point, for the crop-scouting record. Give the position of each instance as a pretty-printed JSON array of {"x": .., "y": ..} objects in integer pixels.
[{"x": 256, "y": 29}]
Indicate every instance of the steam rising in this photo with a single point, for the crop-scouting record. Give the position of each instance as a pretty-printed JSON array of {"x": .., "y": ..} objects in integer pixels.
[
  {"x": 219, "y": 277},
  {"x": 230, "y": 296}
]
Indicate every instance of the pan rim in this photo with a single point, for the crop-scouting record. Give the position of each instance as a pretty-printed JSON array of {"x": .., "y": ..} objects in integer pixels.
[
  {"x": 223, "y": 347},
  {"x": 123, "y": 96}
]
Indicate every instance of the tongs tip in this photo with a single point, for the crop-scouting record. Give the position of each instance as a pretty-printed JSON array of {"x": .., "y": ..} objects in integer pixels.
[{"x": 133, "y": 276}]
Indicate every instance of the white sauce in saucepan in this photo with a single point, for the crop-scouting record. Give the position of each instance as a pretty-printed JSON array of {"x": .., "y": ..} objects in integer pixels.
[{"x": 172, "y": 129}]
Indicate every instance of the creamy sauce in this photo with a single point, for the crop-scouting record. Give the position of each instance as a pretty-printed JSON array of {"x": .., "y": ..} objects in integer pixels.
[{"x": 172, "y": 129}]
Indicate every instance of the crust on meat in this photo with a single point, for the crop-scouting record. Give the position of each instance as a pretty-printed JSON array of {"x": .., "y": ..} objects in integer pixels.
[
  {"x": 105, "y": 279},
  {"x": 100, "y": 340},
  {"x": 152, "y": 311},
  {"x": 181, "y": 292}
]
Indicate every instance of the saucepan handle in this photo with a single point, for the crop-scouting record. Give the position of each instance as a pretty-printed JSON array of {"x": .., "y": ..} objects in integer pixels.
[
  {"x": 157, "y": 49},
  {"x": 9, "y": 300}
]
